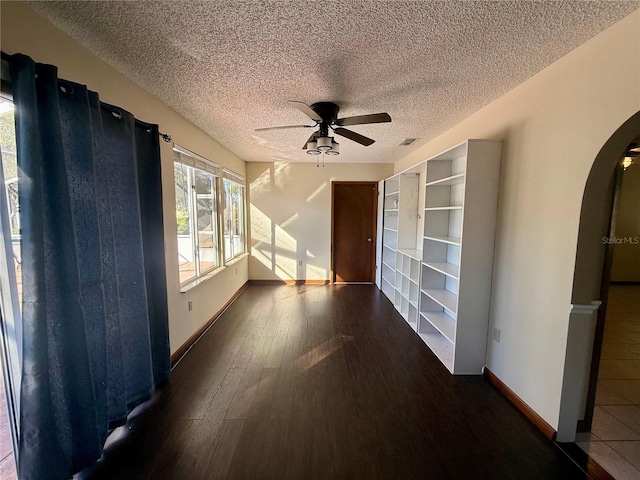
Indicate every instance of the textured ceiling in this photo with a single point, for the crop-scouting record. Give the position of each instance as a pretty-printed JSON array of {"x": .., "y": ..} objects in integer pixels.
[{"x": 230, "y": 66}]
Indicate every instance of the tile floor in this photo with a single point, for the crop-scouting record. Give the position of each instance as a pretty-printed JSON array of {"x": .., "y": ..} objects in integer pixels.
[{"x": 614, "y": 440}]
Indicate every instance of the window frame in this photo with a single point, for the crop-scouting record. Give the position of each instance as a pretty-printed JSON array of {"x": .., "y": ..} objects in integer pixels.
[
  {"x": 195, "y": 163},
  {"x": 232, "y": 177},
  {"x": 10, "y": 308}
]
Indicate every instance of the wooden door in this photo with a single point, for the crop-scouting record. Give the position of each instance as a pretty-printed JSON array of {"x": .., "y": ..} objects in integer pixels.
[{"x": 353, "y": 231}]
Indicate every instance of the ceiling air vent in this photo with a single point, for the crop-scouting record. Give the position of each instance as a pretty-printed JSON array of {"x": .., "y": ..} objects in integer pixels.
[{"x": 407, "y": 141}]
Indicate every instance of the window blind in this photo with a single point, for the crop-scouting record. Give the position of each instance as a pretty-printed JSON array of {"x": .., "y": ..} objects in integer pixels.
[
  {"x": 187, "y": 157},
  {"x": 233, "y": 176}
]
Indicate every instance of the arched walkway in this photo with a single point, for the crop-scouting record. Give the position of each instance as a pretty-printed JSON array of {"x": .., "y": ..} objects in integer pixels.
[{"x": 595, "y": 219}]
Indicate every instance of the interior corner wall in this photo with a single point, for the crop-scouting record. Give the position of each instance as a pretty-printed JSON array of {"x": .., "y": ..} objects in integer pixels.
[
  {"x": 24, "y": 31},
  {"x": 552, "y": 126},
  {"x": 290, "y": 212}
]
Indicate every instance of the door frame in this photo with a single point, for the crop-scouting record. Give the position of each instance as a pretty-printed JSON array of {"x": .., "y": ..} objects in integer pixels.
[
  {"x": 374, "y": 214},
  {"x": 584, "y": 425}
]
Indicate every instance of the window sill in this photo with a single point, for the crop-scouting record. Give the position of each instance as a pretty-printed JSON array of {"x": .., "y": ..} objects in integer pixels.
[
  {"x": 194, "y": 283},
  {"x": 236, "y": 259}
]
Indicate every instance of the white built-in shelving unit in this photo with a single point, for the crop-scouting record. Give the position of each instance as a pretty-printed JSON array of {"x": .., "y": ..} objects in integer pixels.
[
  {"x": 444, "y": 253},
  {"x": 390, "y": 236},
  {"x": 402, "y": 240}
]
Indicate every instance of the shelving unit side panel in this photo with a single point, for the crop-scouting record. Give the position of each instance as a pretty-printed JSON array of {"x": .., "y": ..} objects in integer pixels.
[
  {"x": 422, "y": 176},
  {"x": 476, "y": 255},
  {"x": 479, "y": 225},
  {"x": 379, "y": 231},
  {"x": 408, "y": 210},
  {"x": 412, "y": 316}
]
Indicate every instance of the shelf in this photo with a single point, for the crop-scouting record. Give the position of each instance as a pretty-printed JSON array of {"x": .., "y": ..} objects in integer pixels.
[
  {"x": 449, "y": 207},
  {"x": 388, "y": 274},
  {"x": 448, "y": 181},
  {"x": 391, "y": 229},
  {"x": 443, "y": 323},
  {"x": 395, "y": 210},
  {"x": 388, "y": 194},
  {"x": 392, "y": 267},
  {"x": 444, "y": 297},
  {"x": 389, "y": 260},
  {"x": 388, "y": 289},
  {"x": 415, "y": 254},
  {"x": 408, "y": 277},
  {"x": 390, "y": 281},
  {"x": 439, "y": 345},
  {"x": 448, "y": 269},
  {"x": 449, "y": 240}
]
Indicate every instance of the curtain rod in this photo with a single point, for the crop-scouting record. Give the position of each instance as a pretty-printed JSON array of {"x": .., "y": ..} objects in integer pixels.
[{"x": 6, "y": 87}]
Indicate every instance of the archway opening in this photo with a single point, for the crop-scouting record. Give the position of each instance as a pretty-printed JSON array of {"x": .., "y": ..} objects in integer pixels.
[{"x": 591, "y": 283}]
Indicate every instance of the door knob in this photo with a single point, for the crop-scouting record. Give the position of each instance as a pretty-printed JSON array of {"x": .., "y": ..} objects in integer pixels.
[{"x": 369, "y": 239}]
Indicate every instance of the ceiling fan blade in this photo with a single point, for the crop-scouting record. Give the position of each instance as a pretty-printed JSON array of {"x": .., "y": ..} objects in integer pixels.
[
  {"x": 313, "y": 135},
  {"x": 306, "y": 109},
  {"x": 362, "y": 119},
  {"x": 283, "y": 127},
  {"x": 356, "y": 137}
]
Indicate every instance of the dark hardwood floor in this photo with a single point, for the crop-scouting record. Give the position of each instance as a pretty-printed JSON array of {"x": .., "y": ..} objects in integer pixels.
[{"x": 305, "y": 382}]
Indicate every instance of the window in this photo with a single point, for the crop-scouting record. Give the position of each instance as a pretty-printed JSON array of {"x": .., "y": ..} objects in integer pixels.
[
  {"x": 234, "y": 224},
  {"x": 10, "y": 280},
  {"x": 199, "y": 191},
  {"x": 10, "y": 171},
  {"x": 196, "y": 214}
]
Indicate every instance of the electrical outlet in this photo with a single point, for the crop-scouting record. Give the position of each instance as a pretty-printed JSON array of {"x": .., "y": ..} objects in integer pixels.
[
  {"x": 236, "y": 270},
  {"x": 190, "y": 305},
  {"x": 496, "y": 334},
  {"x": 299, "y": 263}
]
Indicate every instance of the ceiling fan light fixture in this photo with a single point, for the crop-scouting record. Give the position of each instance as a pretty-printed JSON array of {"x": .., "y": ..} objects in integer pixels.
[
  {"x": 312, "y": 148},
  {"x": 324, "y": 143},
  {"x": 325, "y": 114},
  {"x": 335, "y": 148}
]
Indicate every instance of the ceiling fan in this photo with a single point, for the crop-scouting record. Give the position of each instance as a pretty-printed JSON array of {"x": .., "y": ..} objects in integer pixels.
[{"x": 325, "y": 114}]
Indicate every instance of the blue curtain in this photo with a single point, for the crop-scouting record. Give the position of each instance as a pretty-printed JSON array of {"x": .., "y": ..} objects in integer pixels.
[{"x": 95, "y": 329}]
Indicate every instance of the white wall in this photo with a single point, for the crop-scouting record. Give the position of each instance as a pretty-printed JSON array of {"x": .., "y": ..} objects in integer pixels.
[
  {"x": 553, "y": 126},
  {"x": 24, "y": 31},
  {"x": 290, "y": 210},
  {"x": 626, "y": 255}
]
